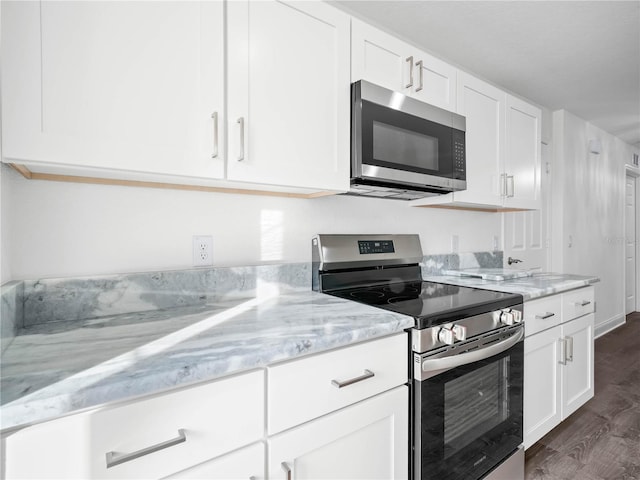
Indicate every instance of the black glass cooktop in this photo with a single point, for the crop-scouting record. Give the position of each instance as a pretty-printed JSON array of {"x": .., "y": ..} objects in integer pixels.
[{"x": 430, "y": 303}]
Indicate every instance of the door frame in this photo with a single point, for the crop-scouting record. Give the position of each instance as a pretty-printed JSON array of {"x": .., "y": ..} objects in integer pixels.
[{"x": 633, "y": 172}]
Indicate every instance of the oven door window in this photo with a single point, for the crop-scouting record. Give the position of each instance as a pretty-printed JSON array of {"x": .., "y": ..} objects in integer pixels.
[
  {"x": 395, "y": 139},
  {"x": 470, "y": 418}
]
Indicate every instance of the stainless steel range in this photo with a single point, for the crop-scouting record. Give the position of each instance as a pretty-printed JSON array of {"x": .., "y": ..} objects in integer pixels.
[{"x": 466, "y": 358}]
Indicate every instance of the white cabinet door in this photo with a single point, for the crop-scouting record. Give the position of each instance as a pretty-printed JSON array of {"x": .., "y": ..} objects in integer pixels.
[
  {"x": 244, "y": 464},
  {"x": 379, "y": 58},
  {"x": 434, "y": 82},
  {"x": 288, "y": 94},
  {"x": 389, "y": 62},
  {"x": 522, "y": 155},
  {"x": 577, "y": 380},
  {"x": 125, "y": 86},
  {"x": 542, "y": 384},
  {"x": 368, "y": 440},
  {"x": 483, "y": 106}
]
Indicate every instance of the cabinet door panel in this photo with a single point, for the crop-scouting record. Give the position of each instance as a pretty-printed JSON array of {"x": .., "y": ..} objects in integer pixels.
[
  {"x": 483, "y": 107},
  {"x": 116, "y": 85},
  {"x": 437, "y": 79},
  {"x": 368, "y": 440},
  {"x": 542, "y": 384},
  {"x": 243, "y": 464},
  {"x": 522, "y": 162},
  {"x": 289, "y": 82},
  {"x": 378, "y": 57},
  {"x": 577, "y": 381}
]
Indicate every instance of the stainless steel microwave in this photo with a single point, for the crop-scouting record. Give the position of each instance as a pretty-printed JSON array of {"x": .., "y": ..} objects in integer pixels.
[{"x": 403, "y": 148}]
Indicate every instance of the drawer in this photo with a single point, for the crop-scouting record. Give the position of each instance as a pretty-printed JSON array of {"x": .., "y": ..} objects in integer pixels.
[
  {"x": 213, "y": 419},
  {"x": 577, "y": 303},
  {"x": 304, "y": 389},
  {"x": 542, "y": 313}
]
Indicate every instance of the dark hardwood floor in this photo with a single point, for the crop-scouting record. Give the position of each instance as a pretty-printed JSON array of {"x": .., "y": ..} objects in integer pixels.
[{"x": 601, "y": 440}]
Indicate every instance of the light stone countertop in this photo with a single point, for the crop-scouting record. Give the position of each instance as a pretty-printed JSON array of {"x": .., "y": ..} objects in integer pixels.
[
  {"x": 57, "y": 368},
  {"x": 53, "y": 369},
  {"x": 530, "y": 287}
]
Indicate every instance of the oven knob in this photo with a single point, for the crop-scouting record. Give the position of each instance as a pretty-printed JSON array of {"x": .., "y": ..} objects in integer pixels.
[
  {"x": 506, "y": 317},
  {"x": 459, "y": 332},
  {"x": 446, "y": 336}
]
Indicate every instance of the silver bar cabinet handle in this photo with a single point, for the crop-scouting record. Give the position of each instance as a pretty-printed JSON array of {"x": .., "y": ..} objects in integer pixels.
[
  {"x": 545, "y": 316},
  {"x": 503, "y": 184},
  {"x": 346, "y": 383},
  {"x": 214, "y": 116},
  {"x": 584, "y": 303},
  {"x": 114, "y": 459},
  {"x": 513, "y": 186},
  {"x": 419, "y": 65},
  {"x": 563, "y": 351},
  {"x": 409, "y": 60},
  {"x": 287, "y": 470},
  {"x": 241, "y": 154},
  {"x": 569, "y": 349}
]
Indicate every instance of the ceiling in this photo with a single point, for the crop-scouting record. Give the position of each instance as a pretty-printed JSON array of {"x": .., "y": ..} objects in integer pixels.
[{"x": 582, "y": 56}]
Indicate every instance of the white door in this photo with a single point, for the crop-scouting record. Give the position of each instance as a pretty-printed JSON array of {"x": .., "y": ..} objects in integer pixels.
[
  {"x": 244, "y": 464},
  {"x": 288, "y": 94},
  {"x": 577, "y": 373},
  {"x": 542, "y": 384},
  {"x": 434, "y": 81},
  {"x": 631, "y": 215},
  {"x": 368, "y": 440},
  {"x": 128, "y": 86},
  {"x": 525, "y": 232},
  {"x": 379, "y": 58},
  {"x": 483, "y": 106},
  {"x": 522, "y": 154}
]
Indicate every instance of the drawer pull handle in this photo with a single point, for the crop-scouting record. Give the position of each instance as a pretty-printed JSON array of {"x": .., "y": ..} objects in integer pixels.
[
  {"x": 114, "y": 459},
  {"x": 545, "y": 316},
  {"x": 583, "y": 303},
  {"x": 346, "y": 383},
  {"x": 287, "y": 470},
  {"x": 214, "y": 116}
]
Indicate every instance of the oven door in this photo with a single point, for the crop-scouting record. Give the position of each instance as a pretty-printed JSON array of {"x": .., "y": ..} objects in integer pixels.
[
  {"x": 399, "y": 139},
  {"x": 468, "y": 418}
]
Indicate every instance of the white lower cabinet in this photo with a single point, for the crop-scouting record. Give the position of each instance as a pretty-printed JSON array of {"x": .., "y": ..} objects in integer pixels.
[
  {"x": 244, "y": 464},
  {"x": 558, "y": 360},
  {"x": 338, "y": 414},
  {"x": 368, "y": 440}
]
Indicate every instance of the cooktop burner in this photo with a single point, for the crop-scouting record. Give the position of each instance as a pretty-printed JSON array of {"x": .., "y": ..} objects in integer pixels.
[{"x": 430, "y": 303}]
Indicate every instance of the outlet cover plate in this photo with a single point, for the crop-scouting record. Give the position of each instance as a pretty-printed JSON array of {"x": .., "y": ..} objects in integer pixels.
[{"x": 202, "y": 250}]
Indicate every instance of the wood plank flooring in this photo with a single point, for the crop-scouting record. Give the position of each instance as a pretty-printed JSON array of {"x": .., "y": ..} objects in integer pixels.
[{"x": 601, "y": 440}]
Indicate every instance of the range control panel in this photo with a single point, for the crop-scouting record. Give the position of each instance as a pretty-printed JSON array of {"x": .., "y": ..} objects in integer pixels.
[{"x": 375, "y": 246}]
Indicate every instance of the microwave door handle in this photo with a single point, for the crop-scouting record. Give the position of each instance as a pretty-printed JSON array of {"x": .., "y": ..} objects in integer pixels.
[
  {"x": 447, "y": 363},
  {"x": 409, "y": 60},
  {"x": 419, "y": 65}
]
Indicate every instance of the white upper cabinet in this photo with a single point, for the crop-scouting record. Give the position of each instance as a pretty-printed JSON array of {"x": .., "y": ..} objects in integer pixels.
[
  {"x": 483, "y": 107},
  {"x": 124, "y": 86},
  {"x": 288, "y": 94},
  {"x": 502, "y": 148},
  {"x": 389, "y": 62},
  {"x": 522, "y": 156}
]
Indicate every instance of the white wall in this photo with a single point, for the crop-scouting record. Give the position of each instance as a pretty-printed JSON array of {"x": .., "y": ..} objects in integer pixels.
[
  {"x": 5, "y": 256},
  {"x": 63, "y": 229},
  {"x": 588, "y": 211}
]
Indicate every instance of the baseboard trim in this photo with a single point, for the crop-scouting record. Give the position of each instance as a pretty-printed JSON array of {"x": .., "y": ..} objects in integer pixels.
[{"x": 609, "y": 325}]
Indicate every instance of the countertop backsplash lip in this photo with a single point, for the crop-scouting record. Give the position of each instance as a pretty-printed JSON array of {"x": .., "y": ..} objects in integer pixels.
[
  {"x": 11, "y": 313},
  {"x": 81, "y": 298}
]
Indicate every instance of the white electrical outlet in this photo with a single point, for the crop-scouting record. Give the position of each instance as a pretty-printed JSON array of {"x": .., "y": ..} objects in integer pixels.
[
  {"x": 202, "y": 250},
  {"x": 454, "y": 243}
]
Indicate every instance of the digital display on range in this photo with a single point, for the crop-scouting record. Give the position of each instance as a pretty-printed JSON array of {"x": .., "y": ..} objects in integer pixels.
[{"x": 375, "y": 246}]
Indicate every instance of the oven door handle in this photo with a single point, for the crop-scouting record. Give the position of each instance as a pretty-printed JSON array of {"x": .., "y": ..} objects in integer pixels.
[{"x": 447, "y": 363}]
